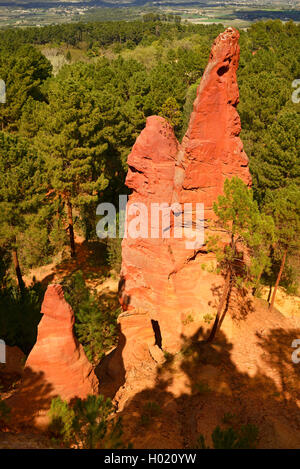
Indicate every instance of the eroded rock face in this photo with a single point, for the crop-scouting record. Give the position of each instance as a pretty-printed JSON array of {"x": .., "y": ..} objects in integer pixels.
[
  {"x": 57, "y": 357},
  {"x": 211, "y": 149},
  {"x": 162, "y": 280},
  {"x": 146, "y": 261}
]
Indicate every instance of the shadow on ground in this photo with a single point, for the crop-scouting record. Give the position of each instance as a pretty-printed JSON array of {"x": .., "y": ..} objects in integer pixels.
[{"x": 202, "y": 387}]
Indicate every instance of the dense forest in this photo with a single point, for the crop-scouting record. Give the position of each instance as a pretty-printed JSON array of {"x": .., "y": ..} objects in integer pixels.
[{"x": 65, "y": 138}]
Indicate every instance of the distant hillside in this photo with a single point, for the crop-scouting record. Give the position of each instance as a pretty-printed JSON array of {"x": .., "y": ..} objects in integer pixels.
[{"x": 115, "y": 3}]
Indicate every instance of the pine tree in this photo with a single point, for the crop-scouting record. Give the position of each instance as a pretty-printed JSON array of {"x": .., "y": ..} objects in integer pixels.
[
  {"x": 74, "y": 139},
  {"x": 284, "y": 206},
  {"x": 171, "y": 111},
  {"x": 247, "y": 231},
  {"x": 21, "y": 193},
  {"x": 23, "y": 70},
  {"x": 86, "y": 424}
]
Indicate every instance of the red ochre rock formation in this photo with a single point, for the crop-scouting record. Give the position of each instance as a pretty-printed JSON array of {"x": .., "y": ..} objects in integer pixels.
[
  {"x": 211, "y": 149},
  {"x": 57, "y": 354},
  {"x": 56, "y": 366},
  {"x": 162, "y": 279}
]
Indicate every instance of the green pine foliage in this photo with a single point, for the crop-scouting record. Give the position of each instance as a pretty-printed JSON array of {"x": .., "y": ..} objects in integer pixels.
[
  {"x": 4, "y": 414},
  {"x": 103, "y": 34},
  {"x": 284, "y": 207},
  {"x": 246, "y": 437},
  {"x": 249, "y": 233},
  {"x": 25, "y": 217},
  {"x": 114, "y": 253},
  {"x": 86, "y": 424},
  {"x": 270, "y": 120},
  {"x": 23, "y": 70},
  {"x": 239, "y": 216},
  {"x": 20, "y": 315},
  {"x": 95, "y": 324},
  {"x": 171, "y": 111}
]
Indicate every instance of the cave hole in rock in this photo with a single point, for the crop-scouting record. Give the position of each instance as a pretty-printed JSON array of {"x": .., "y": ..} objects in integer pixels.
[
  {"x": 135, "y": 170},
  {"x": 157, "y": 333},
  {"x": 222, "y": 70}
]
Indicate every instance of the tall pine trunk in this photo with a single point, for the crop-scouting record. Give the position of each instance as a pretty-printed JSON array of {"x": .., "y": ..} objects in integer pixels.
[
  {"x": 71, "y": 228},
  {"x": 278, "y": 280},
  {"x": 269, "y": 294},
  {"x": 220, "y": 307},
  {"x": 18, "y": 270}
]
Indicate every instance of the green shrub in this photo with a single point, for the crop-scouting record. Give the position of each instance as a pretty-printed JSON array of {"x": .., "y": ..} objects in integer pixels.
[
  {"x": 4, "y": 413},
  {"x": 244, "y": 438},
  {"x": 62, "y": 416},
  {"x": 208, "y": 318},
  {"x": 114, "y": 253},
  {"x": 20, "y": 315},
  {"x": 150, "y": 410},
  {"x": 190, "y": 97},
  {"x": 229, "y": 418},
  {"x": 202, "y": 387},
  {"x": 95, "y": 324},
  {"x": 86, "y": 424},
  {"x": 189, "y": 319},
  {"x": 170, "y": 110}
]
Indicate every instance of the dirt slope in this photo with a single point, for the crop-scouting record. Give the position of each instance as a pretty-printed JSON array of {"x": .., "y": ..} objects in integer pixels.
[{"x": 248, "y": 378}]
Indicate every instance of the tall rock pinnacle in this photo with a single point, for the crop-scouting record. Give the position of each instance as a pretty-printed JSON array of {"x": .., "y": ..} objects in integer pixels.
[
  {"x": 162, "y": 280},
  {"x": 56, "y": 366},
  {"x": 57, "y": 355},
  {"x": 211, "y": 149}
]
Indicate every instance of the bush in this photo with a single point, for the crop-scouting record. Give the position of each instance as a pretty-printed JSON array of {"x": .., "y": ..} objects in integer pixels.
[
  {"x": 244, "y": 438},
  {"x": 86, "y": 424},
  {"x": 95, "y": 325},
  {"x": 208, "y": 318},
  {"x": 20, "y": 315},
  {"x": 170, "y": 110},
  {"x": 114, "y": 253},
  {"x": 202, "y": 387},
  {"x": 150, "y": 410},
  {"x": 4, "y": 413}
]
